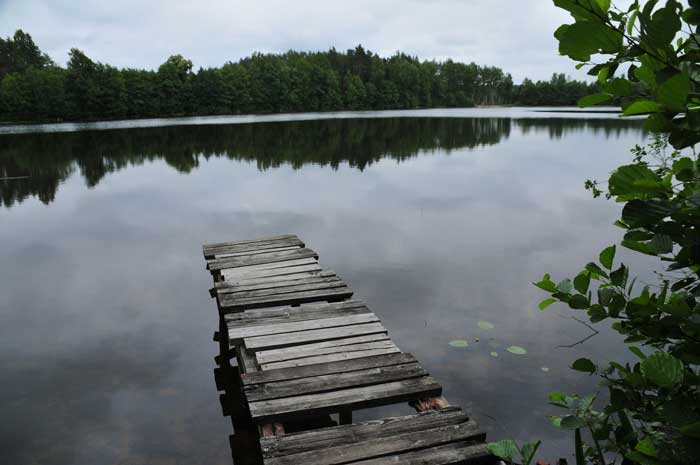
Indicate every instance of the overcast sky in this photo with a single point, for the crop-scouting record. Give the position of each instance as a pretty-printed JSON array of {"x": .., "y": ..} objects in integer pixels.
[{"x": 515, "y": 35}]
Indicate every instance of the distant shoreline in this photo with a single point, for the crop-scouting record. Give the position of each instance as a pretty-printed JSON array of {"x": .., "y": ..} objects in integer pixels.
[{"x": 533, "y": 108}]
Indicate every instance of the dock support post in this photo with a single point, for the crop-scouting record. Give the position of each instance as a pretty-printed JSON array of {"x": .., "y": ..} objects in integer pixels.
[{"x": 345, "y": 417}]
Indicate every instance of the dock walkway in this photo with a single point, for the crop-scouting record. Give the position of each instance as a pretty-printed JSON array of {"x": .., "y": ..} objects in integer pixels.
[{"x": 306, "y": 349}]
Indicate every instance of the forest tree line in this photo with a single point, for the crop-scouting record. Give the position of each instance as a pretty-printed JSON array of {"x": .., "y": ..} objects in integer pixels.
[{"x": 34, "y": 88}]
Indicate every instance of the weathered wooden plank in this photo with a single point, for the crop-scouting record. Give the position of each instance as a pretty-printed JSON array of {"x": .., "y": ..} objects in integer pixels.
[
  {"x": 383, "y": 343},
  {"x": 282, "y": 316},
  {"x": 354, "y": 398},
  {"x": 303, "y": 386},
  {"x": 295, "y": 443},
  {"x": 313, "y": 286},
  {"x": 318, "y": 335},
  {"x": 379, "y": 447},
  {"x": 326, "y": 368},
  {"x": 248, "y": 241},
  {"x": 260, "y": 259},
  {"x": 246, "y": 362},
  {"x": 336, "y": 293},
  {"x": 225, "y": 286},
  {"x": 260, "y": 316},
  {"x": 275, "y": 248},
  {"x": 237, "y": 333},
  {"x": 329, "y": 358},
  {"x": 224, "y": 247},
  {"x": 448, "y": 454},
  {"x": 267, "y": 269},
  {"x": 324, "y": 345},
  {"x": 278, "y": 285}
]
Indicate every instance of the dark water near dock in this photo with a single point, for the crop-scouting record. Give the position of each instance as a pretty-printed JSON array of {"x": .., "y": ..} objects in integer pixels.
[{"x": 437, "y": 219}]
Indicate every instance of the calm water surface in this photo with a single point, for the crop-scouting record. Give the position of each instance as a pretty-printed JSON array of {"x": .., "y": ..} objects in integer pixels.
[{"x": 438, "y": 219}]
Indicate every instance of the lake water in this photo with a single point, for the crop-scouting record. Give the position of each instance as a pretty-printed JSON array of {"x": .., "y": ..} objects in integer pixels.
[{"x": 438, "y": 219}]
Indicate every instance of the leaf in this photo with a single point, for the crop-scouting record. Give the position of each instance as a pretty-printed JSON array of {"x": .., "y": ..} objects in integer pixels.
[
  {"x": 630, "y": 22},
  {"x": 620, "y": 87},
  {"x": 584, "y": 365},
  {"x": 673, "y": 93},
  {"x": 597, "y": 313},
  {"x": 528, "y": 451},
  {"x": 662, "y": 243},
  {"x": 605, "y": 295},
  {"x": 485, "y": 325},
  {"x": 504, "y": 449},
  {"x": 662, "y": 369},
  {"x": 646, "y": 75},
  {"x": 692, "y": 430},
  {"x": 579, "y": 302},
  {"x": 619, "y": 276},
  {"x": 459, "y": 343},
  {"x": 639, "y": 247},
  {"x": 558, "y": 399},
  {"x": 572, "y": 422},
  {"x": 546, "y": 303},
  {"x": 607, "y": 256},
  {"x": 684, "y": 169},
  {"x": 628, "y": 179},
  {"x": 582, "y": 39},
  {"x": 594, "y": 99},
  {"x": 546, "y": 284},
  {"x": 517, "y": 350},
  {"x": 664, "y": 24},
  {"x": 565, "y": 286},
  {"x": 593, "y": 268},
  {"x": 577, "y": 10},
  {"x": 646, "y": 447},
  {"x": 641, "y": 107},
  {"x": 638, "y": 213},
  {"x": 638, "y": 352},
  {"x": 582, "y": 281}
]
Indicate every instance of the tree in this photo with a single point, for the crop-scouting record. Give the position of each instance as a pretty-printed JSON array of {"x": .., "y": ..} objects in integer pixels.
[
  {"x": 19, "y": 53},
  {"x": 357, "y": 79},
  {"x": 650, "y": 54},
  {"x": 175, "y": 86}
]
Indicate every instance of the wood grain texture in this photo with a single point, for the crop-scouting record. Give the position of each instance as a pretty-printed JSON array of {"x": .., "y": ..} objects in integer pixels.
[
  {"x": 314, "y": 335},
  {"x": 326, "y": 294},
  {"x": 341, "y": 366},
  {"x": 250, "y": 273},
  {"x": 354, "y": 398},
  {"x": 302, "y": 351},
  {"x": 381, "y": 447},
  {"x": 238, "y": 333},
  {"x": 316, "y": 359},
  {"x": 260, "y": 259},
  {"x": 322, "y": 438},
  {"x": 325, "y": 383}
]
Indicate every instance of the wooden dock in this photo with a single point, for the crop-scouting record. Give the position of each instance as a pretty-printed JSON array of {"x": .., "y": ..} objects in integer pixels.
[{"x": 298, "y": 350}]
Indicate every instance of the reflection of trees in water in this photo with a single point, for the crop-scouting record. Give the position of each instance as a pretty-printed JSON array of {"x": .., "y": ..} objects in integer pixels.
[
  {"x": 559, "y": 127},
  {"x": 50, "y": 158}
]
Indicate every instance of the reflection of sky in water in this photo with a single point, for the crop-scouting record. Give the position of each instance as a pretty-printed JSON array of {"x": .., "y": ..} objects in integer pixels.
[{"x": 106, "y": 346}]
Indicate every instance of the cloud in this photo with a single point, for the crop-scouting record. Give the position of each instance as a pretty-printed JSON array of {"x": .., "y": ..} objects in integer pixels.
[{"x": 516, "y": 36}]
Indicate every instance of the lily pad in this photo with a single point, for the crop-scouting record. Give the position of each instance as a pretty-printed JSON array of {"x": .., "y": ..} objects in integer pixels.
[
  {"x": 517, "y": 350},
  {"x": 494, "y": 354},
  {"x": 485, "y": 325},
  {"x": 459, "y": 343}
]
